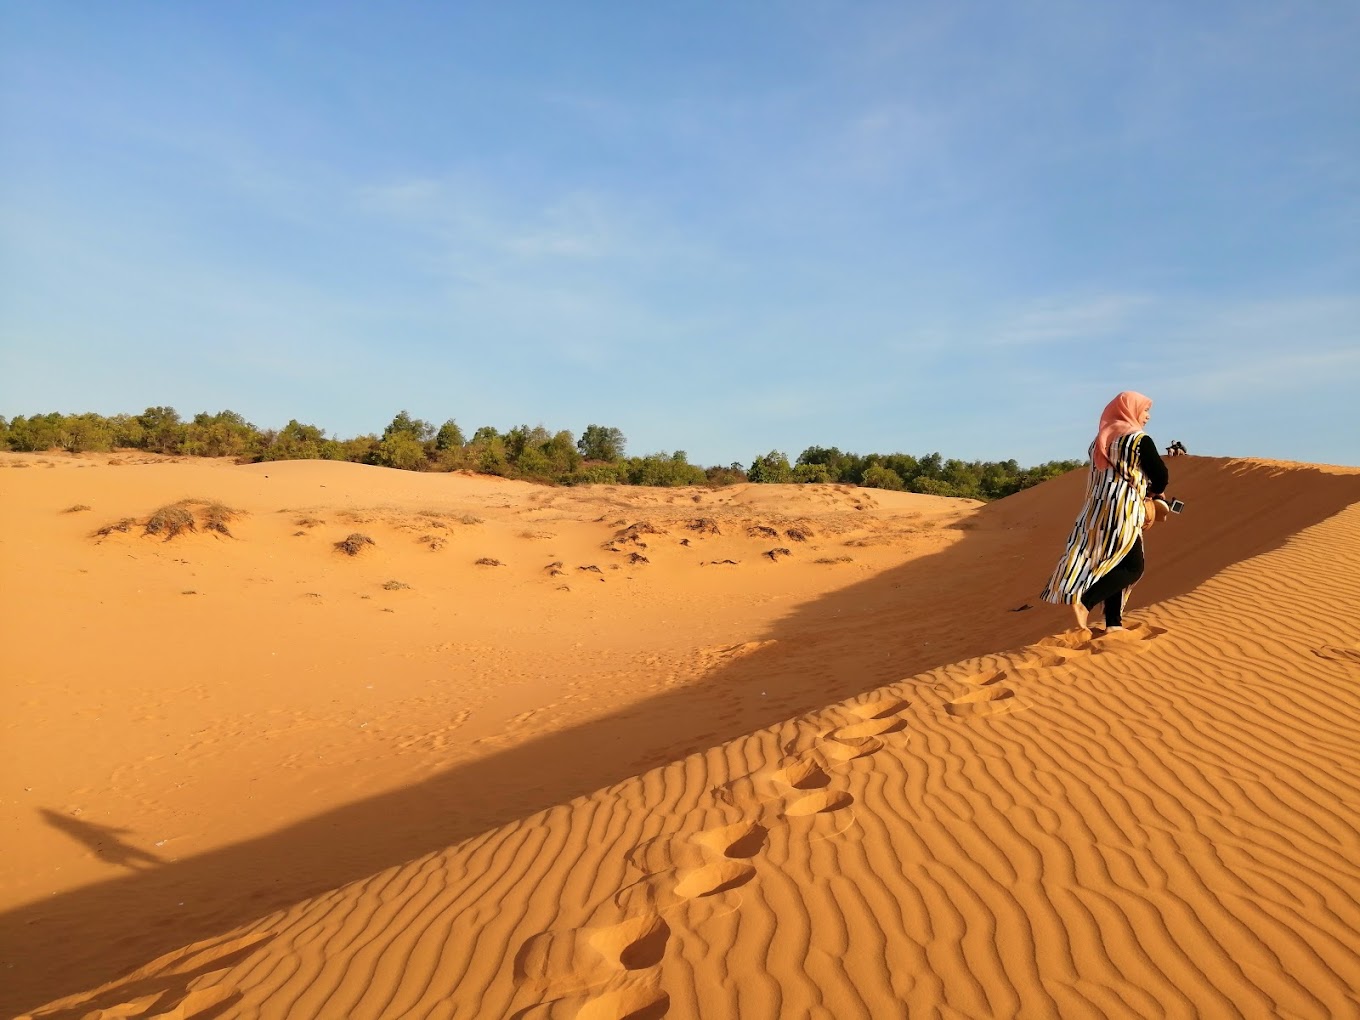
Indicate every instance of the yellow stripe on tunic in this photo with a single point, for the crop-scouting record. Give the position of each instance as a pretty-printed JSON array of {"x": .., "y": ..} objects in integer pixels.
[{"x": 1111, "y": 520}]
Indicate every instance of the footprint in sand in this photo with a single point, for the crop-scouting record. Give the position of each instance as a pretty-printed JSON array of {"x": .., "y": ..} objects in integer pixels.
[
  {"x": 558, "y": 963},
  {"x": 991, "y": 700},
  {"x": 660, "y": 892},
  {"x": 740, "y": 841},
  {"x": 160, "y": 990},
  {"x": 1133, "y": 640},
  {"x": 807, "y": 774},
  {"x": 857, "y": 739}
]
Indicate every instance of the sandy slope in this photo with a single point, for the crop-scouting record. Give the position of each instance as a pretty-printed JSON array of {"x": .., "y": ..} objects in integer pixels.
[{"x": 1025, "y": 825}]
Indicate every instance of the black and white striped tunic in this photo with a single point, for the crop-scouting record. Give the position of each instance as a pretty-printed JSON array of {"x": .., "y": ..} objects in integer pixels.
[{"x": 1111, "y": 520}]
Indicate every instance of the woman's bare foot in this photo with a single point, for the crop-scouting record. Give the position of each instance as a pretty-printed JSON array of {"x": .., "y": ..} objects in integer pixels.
[{"x": 1081, "y": 613}]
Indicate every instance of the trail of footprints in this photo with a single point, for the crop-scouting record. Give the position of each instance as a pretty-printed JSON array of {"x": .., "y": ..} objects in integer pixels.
[
  {"x": 611, "y": 972},
  {"x": 990, "y": 694}
]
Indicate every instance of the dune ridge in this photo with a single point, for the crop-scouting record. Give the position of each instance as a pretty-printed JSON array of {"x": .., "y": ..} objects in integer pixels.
[{"x": 1156, "y": 824}]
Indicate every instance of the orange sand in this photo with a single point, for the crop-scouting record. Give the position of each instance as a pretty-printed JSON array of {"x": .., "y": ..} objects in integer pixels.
[{"x": 681, "y": 787}]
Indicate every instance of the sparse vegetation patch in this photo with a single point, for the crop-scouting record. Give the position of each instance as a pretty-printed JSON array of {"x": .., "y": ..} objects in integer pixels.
[
  {"x": 170, "y": 521},
  {"x": 76, "y": 509},
  {"x": 353, "y": 544}
]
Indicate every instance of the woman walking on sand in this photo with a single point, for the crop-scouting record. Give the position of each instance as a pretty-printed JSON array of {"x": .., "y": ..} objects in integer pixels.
[{"x": 1104, "y": 555}]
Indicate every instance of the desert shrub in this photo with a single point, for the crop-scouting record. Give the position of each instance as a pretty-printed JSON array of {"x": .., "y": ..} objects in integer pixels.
[
  {"x": 487, "y": 561},
  {"x": 353, "y": 544},
  {"x": 215, "y": 517},
  {"x": 170, "y": 521},
  {"x": 395, "y": 585},
  {"x": 77, "y": 508},
  {"x": 123, "y": 526}
]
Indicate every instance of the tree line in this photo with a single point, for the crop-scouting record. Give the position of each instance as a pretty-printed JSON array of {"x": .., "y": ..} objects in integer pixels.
[{"x": 598, "y": 456}]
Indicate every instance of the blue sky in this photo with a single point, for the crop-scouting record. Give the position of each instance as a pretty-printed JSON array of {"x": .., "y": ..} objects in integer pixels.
[{"x": 721, "y": 227}]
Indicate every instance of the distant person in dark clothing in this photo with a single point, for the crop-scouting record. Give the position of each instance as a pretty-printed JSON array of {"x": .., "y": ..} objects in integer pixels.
[
  {"x": 1176, "y": 449},
  {"x": 1104, "y": 555}
]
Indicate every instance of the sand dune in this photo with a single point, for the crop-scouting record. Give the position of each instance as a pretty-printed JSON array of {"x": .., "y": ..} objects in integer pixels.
[{"x": 859, "y": 779}]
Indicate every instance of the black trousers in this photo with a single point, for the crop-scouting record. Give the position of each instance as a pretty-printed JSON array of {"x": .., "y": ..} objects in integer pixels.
[{"x": 1110, "y": 588}]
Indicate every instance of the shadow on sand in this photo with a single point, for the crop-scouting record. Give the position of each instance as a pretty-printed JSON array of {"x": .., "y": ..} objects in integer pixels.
[{"x": 937, "y": 610}]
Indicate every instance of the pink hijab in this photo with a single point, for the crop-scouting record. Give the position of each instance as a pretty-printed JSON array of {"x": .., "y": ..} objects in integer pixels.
[{"x": 1121, "y": 416}]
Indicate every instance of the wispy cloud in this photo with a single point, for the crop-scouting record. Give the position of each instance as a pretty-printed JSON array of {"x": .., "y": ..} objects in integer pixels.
[{"x": 1060, "y": 321}]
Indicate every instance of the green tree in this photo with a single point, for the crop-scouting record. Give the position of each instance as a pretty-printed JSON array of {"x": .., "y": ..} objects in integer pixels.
[
  {"x": 224, "y": 434},
  {"x": 812, "y": 474},
  {"x": 563, "y": 456},
  {"x": 399, "y": 450},
  {"x": 880, "y": 477},
  {"x": 449, "y": 436},
  {"x": 404, "y": 425},
  {"x": 36, "y": 434},
  {"x": 295, "y": 441},
  {"x": 128, "y": 432},
  {"x": 733, "y": 474},
  {"x": 668, "y": 469},
  {"x": 600, "y": 443},
  {"x": 79, "y": 433},
  {"x": 771, "y": 468},
  {"x": 163, "y": 430}
]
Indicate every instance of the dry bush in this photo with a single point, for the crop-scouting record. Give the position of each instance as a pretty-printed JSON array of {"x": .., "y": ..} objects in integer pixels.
[
  {"x": 353, "y": 544},
  {"x": 761, "y": 531},
  {"x": 126, "y": 524},
  {"x": 76, "y": 509},
  {"x": 705, "y": 525},
  {"x": 487, "y": 561},
  {"x": 170, "y": 521},
  {"x": 308, "y": 522},
  {"x": 470, "y": 519},
  {"x": 637, "y": 558},
  {"x": 435, "y": 542},
  {"x": 395, "y": 585},
  {"x": 774, "y": 554},
  {"x": 187, "y": 514},
  {"x": 215, "y": 516},
  {"x": 834, "y": 559},
  {"x": 799, "y": 534}
]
